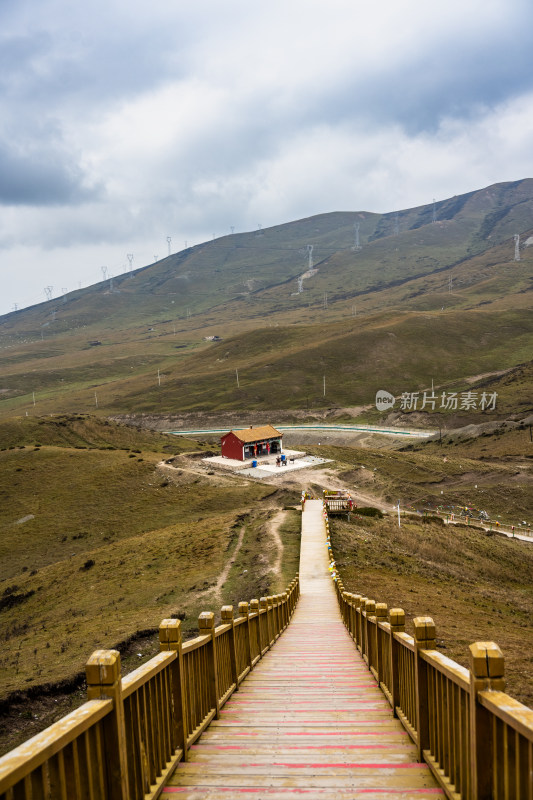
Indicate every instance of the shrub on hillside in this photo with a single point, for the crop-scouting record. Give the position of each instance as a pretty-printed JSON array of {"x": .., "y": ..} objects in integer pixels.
[{"x": 370, "y": 511}]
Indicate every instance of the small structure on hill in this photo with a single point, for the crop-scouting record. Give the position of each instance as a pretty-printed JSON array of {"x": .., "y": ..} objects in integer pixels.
[
  {"x": 251, "y": 442},
  {"x": 338, "y": 502}
]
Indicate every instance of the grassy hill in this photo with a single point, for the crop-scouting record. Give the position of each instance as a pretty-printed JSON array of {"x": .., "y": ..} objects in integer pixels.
[
  {"x": 475, "y": 587},
  {"x": 101, "y": 540},
  {"x": 442, "y": 300}
]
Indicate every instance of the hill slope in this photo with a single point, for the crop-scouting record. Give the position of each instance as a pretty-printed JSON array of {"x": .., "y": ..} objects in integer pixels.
[{"x": 450, "y": 287}]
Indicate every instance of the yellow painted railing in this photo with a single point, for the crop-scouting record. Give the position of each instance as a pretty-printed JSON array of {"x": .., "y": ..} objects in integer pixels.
[
  {"x": 477, "y": 740},
  {"x": 127, "y": 739}
]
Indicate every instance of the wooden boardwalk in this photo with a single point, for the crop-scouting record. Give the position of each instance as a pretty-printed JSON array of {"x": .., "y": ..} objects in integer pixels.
[{"x": 309, "y": 721}]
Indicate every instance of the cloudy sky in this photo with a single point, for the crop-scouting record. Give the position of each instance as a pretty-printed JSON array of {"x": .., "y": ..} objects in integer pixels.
[{"x": 123, "y": 123}]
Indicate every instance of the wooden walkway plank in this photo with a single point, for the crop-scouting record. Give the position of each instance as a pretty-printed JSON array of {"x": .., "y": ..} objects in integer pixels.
[{"x": 309, "y": 721}]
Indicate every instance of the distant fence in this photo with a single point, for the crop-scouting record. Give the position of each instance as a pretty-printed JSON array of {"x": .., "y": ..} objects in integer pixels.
[
  {"x": 126, "y": 741},
  {"x": 477, "y": 740}
]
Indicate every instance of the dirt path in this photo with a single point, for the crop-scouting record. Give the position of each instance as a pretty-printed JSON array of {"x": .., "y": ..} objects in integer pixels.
[
  {"x": 272, "y": 528},
  {"x": 216, "y": 590}
]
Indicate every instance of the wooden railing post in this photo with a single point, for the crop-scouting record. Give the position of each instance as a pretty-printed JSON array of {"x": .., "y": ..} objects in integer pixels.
[
  {"x": 263, "y": 612},
  {"x": 362, "y": 624},
  {"x": 370, "y": 610},
  {"x": 424, "y": 637},
  {"x": 255, "y": 609},
  {"x": 270, "y": 621},
  {"x": 244, "y": 612},
  {"x": 397, "y": 625},
  {"x": 276, "y": 609},
  {"x": 381, "y": 616},
  {"x": 104, "y": 680},
  {"x": 285, "y": 609},
  {"x": 206, "y": 627},
  {"x": 170, "y": 639},
  {"x": 348, "y": 615},
  {"x": 226, "y": 615},
  {"x": 356, "y": 600},
  {"x": 486, "y": 672}
]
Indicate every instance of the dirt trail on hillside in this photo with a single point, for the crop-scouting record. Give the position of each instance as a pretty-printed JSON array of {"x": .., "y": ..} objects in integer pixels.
[
  {"x": 222, "y": 578},
  {"x": 272, "y": 528}
]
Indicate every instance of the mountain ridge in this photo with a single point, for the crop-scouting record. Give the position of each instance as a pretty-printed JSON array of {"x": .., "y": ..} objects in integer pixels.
[{"x": 451, "y": 258}]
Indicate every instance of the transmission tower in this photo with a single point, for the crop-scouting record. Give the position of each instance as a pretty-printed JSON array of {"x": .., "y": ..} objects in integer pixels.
[
  {"x": 64, "y": 291},
  {"x": 310, "y": 248},
  {"x": 130, "y": 259},
  {"x": 300, "y": 285},
  {"x": 169, "y": 242},
  {"x": 48, "y": 292},
  {"x": 517, "y": 247},
  {"x": 356, "y": 244},
  {"x": 232, "y": 229},
  {"x": 15, "y": 307},
  {"x": 104, "y": 272}
]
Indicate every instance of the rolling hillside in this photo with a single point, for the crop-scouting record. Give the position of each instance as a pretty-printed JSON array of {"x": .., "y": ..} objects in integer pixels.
[{"x": 433, "y": 293}]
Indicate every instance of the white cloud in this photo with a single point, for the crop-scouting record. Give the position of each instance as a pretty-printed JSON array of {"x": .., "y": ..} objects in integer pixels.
[{"x": 131, "y": 123}]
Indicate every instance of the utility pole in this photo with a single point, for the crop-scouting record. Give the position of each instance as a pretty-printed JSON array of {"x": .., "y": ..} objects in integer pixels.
[
  {"x": 237, "y": 374},
  {"x": 324, "y": 385}
]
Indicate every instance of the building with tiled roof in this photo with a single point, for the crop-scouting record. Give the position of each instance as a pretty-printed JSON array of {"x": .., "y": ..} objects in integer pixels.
[{"x": 251, "y": 442}]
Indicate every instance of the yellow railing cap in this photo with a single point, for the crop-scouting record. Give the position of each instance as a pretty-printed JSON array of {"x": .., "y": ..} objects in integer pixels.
[{"x": 486, "y": 660}]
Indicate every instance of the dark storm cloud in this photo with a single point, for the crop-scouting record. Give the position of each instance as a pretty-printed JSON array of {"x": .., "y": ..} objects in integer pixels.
[{"x": 40, "y": 178}]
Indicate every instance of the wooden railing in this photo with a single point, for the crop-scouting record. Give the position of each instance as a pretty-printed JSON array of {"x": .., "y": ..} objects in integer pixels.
[
  {"x": 127, "y": 739},
  {"x": 477, "y": 740}
]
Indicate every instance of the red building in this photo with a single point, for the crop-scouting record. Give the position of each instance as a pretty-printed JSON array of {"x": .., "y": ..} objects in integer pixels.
[{"x": 251, "y": 442}]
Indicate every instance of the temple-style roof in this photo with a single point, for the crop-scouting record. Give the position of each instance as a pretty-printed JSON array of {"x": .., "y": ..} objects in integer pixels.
[{"x": 256, "y": 434}]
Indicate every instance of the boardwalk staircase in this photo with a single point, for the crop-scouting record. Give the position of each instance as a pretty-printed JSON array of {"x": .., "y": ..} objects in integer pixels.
[{"x": 332, "y": 705}]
